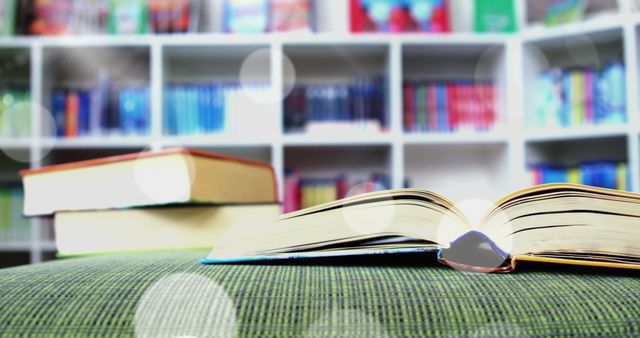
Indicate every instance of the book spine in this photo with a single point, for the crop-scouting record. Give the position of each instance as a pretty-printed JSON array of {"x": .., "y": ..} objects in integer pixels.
[{"x": 71, "y": 114}]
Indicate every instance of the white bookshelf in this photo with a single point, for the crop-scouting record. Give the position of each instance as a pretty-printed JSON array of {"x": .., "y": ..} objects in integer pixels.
[{"x": 456, "y": 165}]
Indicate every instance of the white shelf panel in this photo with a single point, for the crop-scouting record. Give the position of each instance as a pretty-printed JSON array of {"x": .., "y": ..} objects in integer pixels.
[
  {"x": 337, "y": 140},
  {"x": 15, "y": 143},
  {"x": 255, "y": 39},
  {"x": 567, "y": 134},
  {"x": 214, "y": 140},
  {"x": 454, "y": 138},
  {"x": 97, "y": 142},
  {"x": 15, "y": 247},
  {"x": 607, "y": 24}
]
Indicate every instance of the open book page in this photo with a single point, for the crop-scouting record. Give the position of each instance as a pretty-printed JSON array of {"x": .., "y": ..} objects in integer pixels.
[
  {"x": 567, "y": 221},
  {"x": 415, "y": 216}
]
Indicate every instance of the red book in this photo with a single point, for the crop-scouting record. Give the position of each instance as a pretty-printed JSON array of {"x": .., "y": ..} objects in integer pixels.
[
  {"x": 490, "y": 103},
  {"x": 409, "y": 107},
  {"x": 452, "y": 112},
  {"x": 72, "y": 110}
]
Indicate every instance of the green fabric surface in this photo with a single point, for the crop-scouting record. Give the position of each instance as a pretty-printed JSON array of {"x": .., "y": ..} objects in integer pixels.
[{"x": 171, "y": 294}]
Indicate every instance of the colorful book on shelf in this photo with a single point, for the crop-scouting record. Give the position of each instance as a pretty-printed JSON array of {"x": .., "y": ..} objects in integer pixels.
[
  {"x": 52, "y": 17},
  {"x": 8, "y": 17},
  {"x": 449, "y": 106},
  {"x": 89, "y": 17},
  {"x": 303, "y": 192},
  {"x": 122, "y": 110},
  {"x": 13, "y": 226},
  {"x": 399, "y": 16},
  {"x": 564, "y": 11},
  {"x": 291, "y": 16},
  {"x": 246, "y": 16},
  {"x": 174, "y": 16},
  {"x": 153, "y": 228},
  {"x": 359, "y": 103},
  {"x": 604, "y": 174},
  {"x": 172, "y": 176},
  {"x": 495, "y": 16},
  {"x": 574, "y": 97},
  {"x": 128, "y": 17},
  {"x": 557, "y": 223}
]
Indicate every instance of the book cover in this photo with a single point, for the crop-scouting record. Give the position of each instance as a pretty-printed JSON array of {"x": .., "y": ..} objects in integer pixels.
[
  {"x": 291, "y": 16},
  {"x": 128, "y": 17},
  {"x": 246, "y": 16},
  {"x": 495, "y": 16},
  {"x": 72, "y": 107}
]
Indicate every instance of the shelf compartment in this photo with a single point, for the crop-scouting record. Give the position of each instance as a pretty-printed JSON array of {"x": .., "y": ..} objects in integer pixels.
[
  {"x": 459, "y": 171},
  {"x": 237, "y": 79},
  {"x": 347, "y": 78},
  {"x": 454, "y": 69},
  {"x": 111, "y": 74}
]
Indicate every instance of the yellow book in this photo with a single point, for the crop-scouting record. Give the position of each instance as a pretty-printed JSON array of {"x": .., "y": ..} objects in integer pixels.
[
  {"x": 621, "y": 174},
  {"x": 574, "y": 176}
]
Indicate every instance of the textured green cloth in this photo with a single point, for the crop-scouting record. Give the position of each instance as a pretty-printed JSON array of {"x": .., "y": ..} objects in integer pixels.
[{"x": 171, "y": 294}]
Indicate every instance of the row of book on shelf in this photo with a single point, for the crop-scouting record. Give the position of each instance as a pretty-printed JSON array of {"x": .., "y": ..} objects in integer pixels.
[
  {"x": 104, "y": 110},
  {"x": 361, "y": 101},
  {"x": 428, "y": 16},
  {"x": 604, "y": 174},
  {"x": 14, "y": 227},
  {"x": 303, "y": 192},
  {"x": 58, "y": 17},
  {"x": 15, "y": 115},
  {"x": 581, "y": 96},
  {"x": 448, "y": 106},
  {"x": 208, "y": 108},
  {"x": 51, "y": 17}
]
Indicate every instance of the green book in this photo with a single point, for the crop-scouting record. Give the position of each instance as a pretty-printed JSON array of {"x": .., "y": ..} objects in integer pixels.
[
  {"x": 128, "y": 17},
  {"x": 7, "y": 17},
  {"x": 495, "y": 16}
]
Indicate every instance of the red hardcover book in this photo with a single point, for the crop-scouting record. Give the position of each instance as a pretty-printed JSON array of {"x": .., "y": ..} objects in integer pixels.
[
  {"x": 452, "y": 112},
  {"x": 490, "y": 103},
  {"x": 409, "y": 107},
  {"x": 432, "y": 107},
  {"x": 72, "y": 111}
]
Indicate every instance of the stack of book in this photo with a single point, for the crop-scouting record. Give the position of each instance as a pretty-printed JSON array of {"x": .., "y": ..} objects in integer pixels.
[
  {"x": 581, "y": 96},
  {"x": 171, "y": 199},
  {"x": 360, "y": 103},
  {"x": 300, "y": 193},
  {"x": 13, "y": 226},
  {"x": 122, "y": 110},
  {"x": 449, "y": 106},
  {"x": 399, "y": 16},
  {"x": 604, "y": 174},
  {"x": 15, "y": 114}
]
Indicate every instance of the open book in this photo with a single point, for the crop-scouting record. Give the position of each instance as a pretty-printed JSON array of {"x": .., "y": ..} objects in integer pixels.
[{"x": 556, "y": 223}]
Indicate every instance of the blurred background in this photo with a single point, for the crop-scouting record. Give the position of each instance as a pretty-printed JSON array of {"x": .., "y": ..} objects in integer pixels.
[{"x": 468, "y": 98}]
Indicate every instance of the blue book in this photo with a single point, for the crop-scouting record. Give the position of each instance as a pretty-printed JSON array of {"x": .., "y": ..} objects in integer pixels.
[
  {"x": 167, "y": 108},
  {"x": 84, "y": 118},
  {"x": 441, "y": 107},
  {"x": 145, "y": 122},
  {"x": 59, "y": 110}
]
